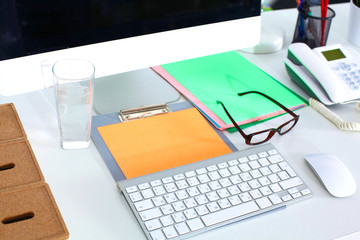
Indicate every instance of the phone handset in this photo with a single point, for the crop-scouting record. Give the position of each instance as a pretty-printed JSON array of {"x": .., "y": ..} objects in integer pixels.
[{"x": 301, "y": 54}]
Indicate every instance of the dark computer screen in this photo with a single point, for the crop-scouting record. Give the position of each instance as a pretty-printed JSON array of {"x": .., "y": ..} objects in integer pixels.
[{"x": 35, "y": 26}]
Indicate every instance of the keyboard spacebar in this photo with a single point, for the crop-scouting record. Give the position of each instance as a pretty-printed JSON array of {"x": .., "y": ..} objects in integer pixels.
[{"x": 229, "y": 213}]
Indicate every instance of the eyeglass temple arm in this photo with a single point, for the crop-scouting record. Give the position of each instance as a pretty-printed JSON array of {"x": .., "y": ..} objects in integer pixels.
[
  {"x": 232, "y": 120},
  {"x": 268, "y": 97}
]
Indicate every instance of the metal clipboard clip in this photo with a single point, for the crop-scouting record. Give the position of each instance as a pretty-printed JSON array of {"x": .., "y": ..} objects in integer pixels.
[{"x": 142, "y": 112}]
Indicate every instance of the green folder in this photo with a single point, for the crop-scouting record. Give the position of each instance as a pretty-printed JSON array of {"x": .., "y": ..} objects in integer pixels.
[{"x": 221, "y": 76}]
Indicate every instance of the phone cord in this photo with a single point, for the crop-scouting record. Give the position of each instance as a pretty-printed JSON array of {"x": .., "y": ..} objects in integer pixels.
[{"x": 322, "y": 109}]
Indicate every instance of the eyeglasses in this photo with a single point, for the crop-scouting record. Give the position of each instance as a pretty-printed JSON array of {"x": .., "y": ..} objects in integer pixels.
[{"x": 263, "y": 136}]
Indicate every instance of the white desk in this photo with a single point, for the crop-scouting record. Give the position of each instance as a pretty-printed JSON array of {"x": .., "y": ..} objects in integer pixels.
[{"x": 93, "y": 208}]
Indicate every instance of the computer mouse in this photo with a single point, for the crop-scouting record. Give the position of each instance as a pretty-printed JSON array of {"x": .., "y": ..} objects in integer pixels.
[{"x": 333, "y": 173}]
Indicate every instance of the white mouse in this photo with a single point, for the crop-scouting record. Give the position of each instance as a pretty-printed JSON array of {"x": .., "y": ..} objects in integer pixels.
[{"x": 332, "y": 172}]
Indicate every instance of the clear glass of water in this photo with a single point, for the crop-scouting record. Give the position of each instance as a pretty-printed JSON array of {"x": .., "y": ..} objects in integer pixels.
[{"x": 74, "y": 86}]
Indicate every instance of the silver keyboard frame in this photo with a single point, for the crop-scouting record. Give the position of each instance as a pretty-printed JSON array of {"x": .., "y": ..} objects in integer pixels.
[{"x": 122, "y": 185}]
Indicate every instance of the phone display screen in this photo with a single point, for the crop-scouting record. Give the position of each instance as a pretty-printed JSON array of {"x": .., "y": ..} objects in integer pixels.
[{"x": 333, "y": 54}]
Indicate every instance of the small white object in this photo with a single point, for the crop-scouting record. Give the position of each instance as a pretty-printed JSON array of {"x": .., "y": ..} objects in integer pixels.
[
  {"x": 354, "y": 21},
  {"x": 332, "y": 172}
]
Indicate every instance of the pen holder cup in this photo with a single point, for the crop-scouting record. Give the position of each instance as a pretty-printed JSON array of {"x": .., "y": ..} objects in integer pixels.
[
  {"x": 354, "y": 22},
  {"x": 311, "y": 28}
]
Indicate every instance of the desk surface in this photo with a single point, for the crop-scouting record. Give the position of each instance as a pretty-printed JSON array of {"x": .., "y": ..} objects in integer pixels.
[{"x": 93, "y": 208}]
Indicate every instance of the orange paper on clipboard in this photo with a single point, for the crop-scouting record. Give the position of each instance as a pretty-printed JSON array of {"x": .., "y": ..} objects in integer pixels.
[{"x": 161, "y": 142}]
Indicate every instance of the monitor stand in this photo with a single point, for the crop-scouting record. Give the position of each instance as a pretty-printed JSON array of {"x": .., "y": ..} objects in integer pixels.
[{"x": 131, "y": 89}]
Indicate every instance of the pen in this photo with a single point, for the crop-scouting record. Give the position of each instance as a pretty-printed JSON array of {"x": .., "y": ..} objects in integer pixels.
[{"x": 324, "y": 9}]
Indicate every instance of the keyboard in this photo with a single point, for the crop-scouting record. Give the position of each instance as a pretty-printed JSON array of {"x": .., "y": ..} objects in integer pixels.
[{"x": 180, "y": 202}]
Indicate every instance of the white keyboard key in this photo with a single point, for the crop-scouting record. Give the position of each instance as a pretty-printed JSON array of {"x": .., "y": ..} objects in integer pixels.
[
  {"x": 167, "y": 209},
  {"x": 275, "y": 158},
  {"x": 131, "y": 189},
  {"x": 265, "y": 191},
  {"x": 215, "y": 185},
  {"x": 203, "y": 178},
  {"x": 179, "y": 177},
  {"x": 153, "y": 224},
  {"x": 245, "y": 197},
  {"x": 170, "y": 187},
  {"x": 224, "y": 203},
  {"x": 167, "y": 220},
  {"x": 292, "y": 182},
  {"x": 244, "y": 167},
  {"x": 229, "y": 213},
  {"x": 167, "y": 180},
  {"x": 143, "y": 186},
  {"x": 182, "y": 194},
  {"x": 222, "y": 165},
  {"x": 275, "y": 188},
  {"x": 235, "y": 179},
  {"x": 225, "y": 182},
  {"x": 223, "y": 193},
  {"x": 159, "y": 190},
  {"x": 178, "y": 217},
  {"x": 201, "y": 199},
  {"x": 170, "y": 198},
  {"x": 275, "y": 168},
  {"x": 147, "y": 193},
  {"x": 224, "y": 172},
  {"x": 212, "y": 196},
  {"x": 243, "y": 160},
  {"x": 272, "y": 152},
  {"x": 213, "y": 207},
  {"x": 179, "y": 206},
  {"x": 254, "y": 164},
  {"x": 233, "y": 162},
  {"x": 182, "y": 228},
  {"x": 157, "y": 235},
  {"x": 305, "y": 191},
  {"x": 155, "y": 183},
  {"x": 202, "y": 210},
  {"x": 190, "y": 213},
  {"x": 234, "y": 200},
  {"x": 136, "y": 196},
  {"x": 283, "y": 175},
  {"x": 195, "y": 224},
  {"x": 170, "y": 232},
  {"x": 214, "y": 175},
  {"x": 193, "y": 181},
  {"x": 158, "y": 201},
  {"x": 264, "y": 162},
  {"x": 150, "y": 214},
  {"x": 234, "y": 190},
  {"x": 144, "y": 205},
  {"x": 190, "y": 202},
  {"x": 201, "y": 171},
  {"x": 204, "y": 188},
  {"x": 190, "y": 174},
  {"x": 263, "y": 154},
  {"x": 181, "y": 184},
  {"x": 264, "y": 202},
  {"x": 193, "y": 191},
  {"x": 212, "y": 168},
  {"x": 253, "y": 157},
  {"x": 255, "y": 193},
  {"x": 234, "y": 170},
  {"x": 275, "y": 199},
  {"x": 286, "y": 198}
]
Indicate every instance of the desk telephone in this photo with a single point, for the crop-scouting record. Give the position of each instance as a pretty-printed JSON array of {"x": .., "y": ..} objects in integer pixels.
[{"x": 330, "y": 73}]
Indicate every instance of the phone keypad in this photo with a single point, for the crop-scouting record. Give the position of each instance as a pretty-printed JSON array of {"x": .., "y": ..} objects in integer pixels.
[{"x": 349, "y": 73}]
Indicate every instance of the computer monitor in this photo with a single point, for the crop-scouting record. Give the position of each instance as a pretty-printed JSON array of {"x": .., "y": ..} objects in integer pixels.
[{"x": 117, "y": 35}]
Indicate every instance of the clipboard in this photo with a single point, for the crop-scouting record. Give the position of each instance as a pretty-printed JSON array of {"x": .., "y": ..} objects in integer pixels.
[{"x": 105, "y": 120}]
